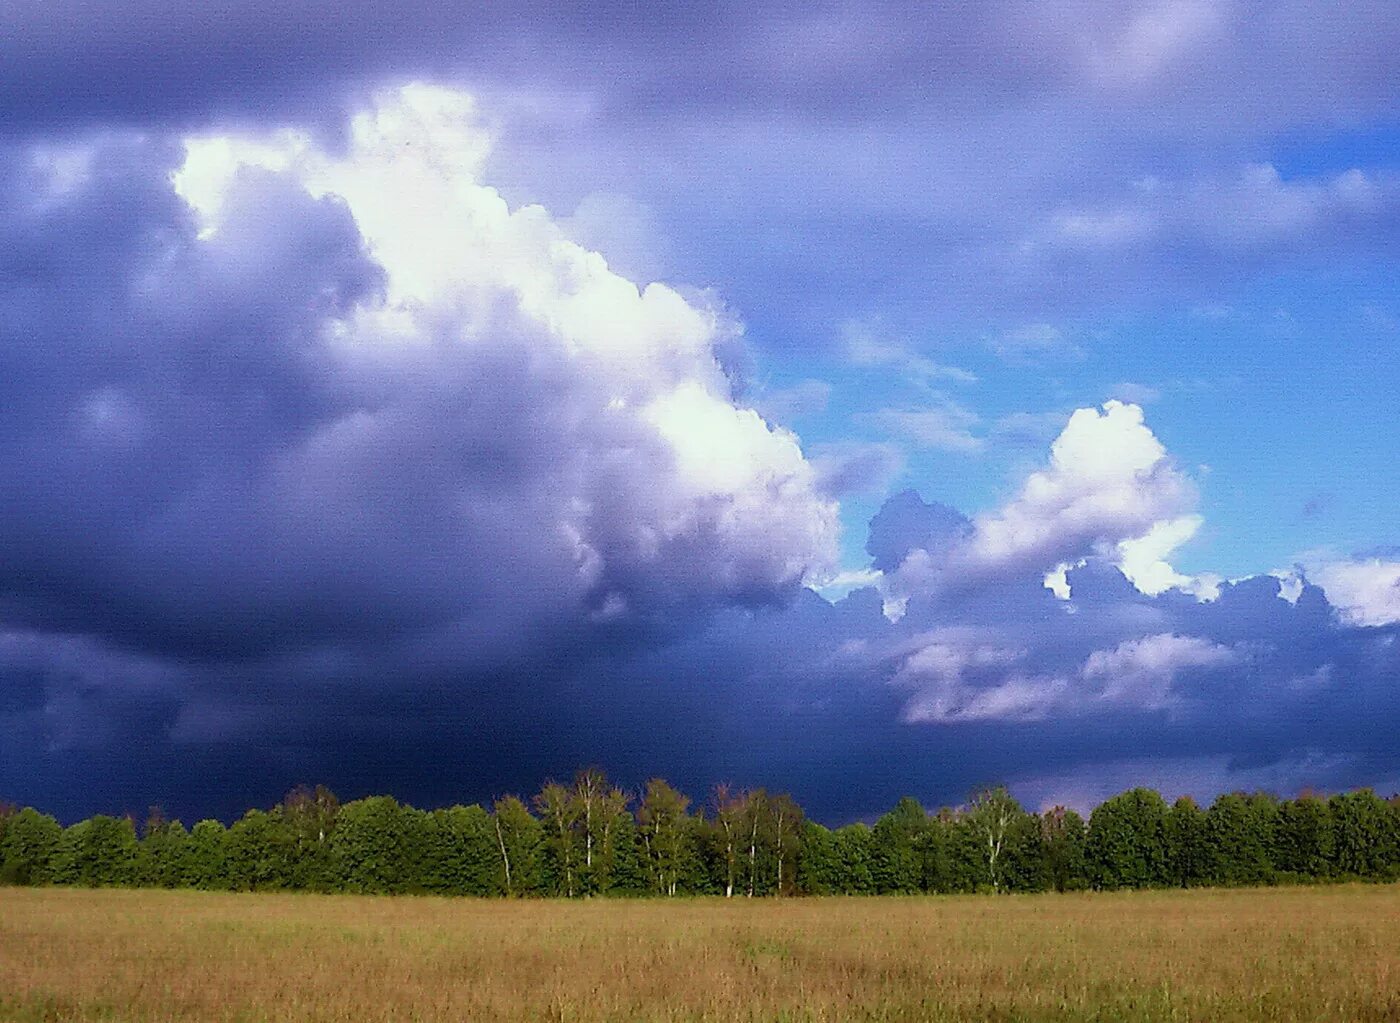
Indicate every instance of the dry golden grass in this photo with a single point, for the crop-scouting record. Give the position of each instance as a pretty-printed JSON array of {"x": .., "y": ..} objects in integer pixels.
[{"x": 1285, "y": 954}]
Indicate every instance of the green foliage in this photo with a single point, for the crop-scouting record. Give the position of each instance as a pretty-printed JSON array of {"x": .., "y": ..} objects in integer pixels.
[
  {"x": 586, "y": 841},
  {"x": 309, "y": 817},
  {"x": 518, "y": 841},
  {"x": 1303, "y": 839},
  {"x": 1024, "y": 867},
  {"x": 1063, "y": 835},
  {"x": 1363, "y": 834},
  {"x": 164, "y": 857},
  {"x": 953, "y": 858},
  {"x": 1007, "y": 842},
  {"x": 628, "y": 875},
  {"x": 1241, "y": 833},
  {"x": 667, "y": 839},
  {"x": 1127, "y": 846},
  {"x": 461, "y": 856},
  {"x": 899, "y": 849},
  {"x": 855, "y": 855},
  {"x": 560, "y": 818},
  {"x": 100, "y": 852},
  {"x": 1191, "y": 849},
  {"x": 379, "y": 847},
  {"x": 207, "y": 864},
  {"x": 28, "y": 846},
  {"x": 258, "y": 852}
]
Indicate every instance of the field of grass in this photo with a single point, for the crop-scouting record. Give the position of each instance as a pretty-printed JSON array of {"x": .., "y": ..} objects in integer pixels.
[{"x": 1280, "y": 954}]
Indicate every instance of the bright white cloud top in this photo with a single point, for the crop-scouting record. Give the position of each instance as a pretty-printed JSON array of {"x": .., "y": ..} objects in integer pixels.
[{"x": 633, "y": 469}]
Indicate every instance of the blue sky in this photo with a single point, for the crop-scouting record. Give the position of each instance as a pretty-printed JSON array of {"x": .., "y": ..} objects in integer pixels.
[{"x": 860, "y": 399}]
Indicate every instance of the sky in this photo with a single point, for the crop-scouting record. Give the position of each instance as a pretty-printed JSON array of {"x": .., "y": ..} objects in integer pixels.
[{"x": 854, "y": 399}]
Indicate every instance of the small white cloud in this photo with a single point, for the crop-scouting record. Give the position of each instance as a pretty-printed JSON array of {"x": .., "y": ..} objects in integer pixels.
[
  {"x": 945, "y": 428},
  {"x": 1057, "y": 580},
  {"x": 856, "y": 467},
  {"x": 1143, "y": 559},
  {"x": 1109, "y": 480},
  {"x": 963, "y": 674},
  {"x": 1154, "y": 40},
  {"x": 1364, "y": 591},
  {"x": 868, "y": 345},
  {"x": 1139, "y": 673},
  {"x": 834, "y": 587}
]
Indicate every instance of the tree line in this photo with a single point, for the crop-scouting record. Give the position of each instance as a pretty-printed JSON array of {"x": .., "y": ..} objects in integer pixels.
[{"x": 590, "y": 837}]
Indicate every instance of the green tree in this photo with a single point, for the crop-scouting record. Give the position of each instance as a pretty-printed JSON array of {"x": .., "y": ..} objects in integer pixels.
[
  {"x": 1191, "y": 850},
  {"x": 593, "y": 800},
  {"x": 1126, "y": 847},
  {"x": 952, "y": 854},
  {"x": 518, "y": 838},
  {"x": 208, "y": 856},
  {"x": 462, "y": 857},
  {"x": 7, "y": 811},
  {"x": 1241, "y": 833},
  {"x": 560, "y": 816},
  {"x": 993, "y": 815},
  {"x": 28, "y": 846},
  {"x": 819, "y": 867},
  {"x": 258, "y": 852},
  {"x": 854, "y": 849},
  {"x": 628, "y": 872},
  {"x": 899, "y": 843},
  {"x": 666, "y": 835},
  {"x": 728, "y": 829},
  {"x": 380, "y": 847},
  {"x": 786, "y": 820},
  {"x": 309, "y": 816},
  {"x": 100, "y": 852},
  {"x": 65, "y": 863},
  {"x": 164, "y": 854},
  {"x": 753, "y": 838},
  {"x": 1063, "y": 834},
  {"x": 1363, "y": 833},
  {"x": 1303, "y": 843},
  {"x": 614, "y": 861}
]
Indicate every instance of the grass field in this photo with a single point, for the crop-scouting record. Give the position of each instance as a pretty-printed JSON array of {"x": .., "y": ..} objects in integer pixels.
[{"x": 1281, "y": 954}]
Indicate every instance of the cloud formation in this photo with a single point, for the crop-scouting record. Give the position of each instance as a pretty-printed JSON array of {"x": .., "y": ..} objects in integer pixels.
[
  {"x": 326, "y": 460},
  {"x": 355, "y": 390},
  {"x": 1109, "y": 490}
]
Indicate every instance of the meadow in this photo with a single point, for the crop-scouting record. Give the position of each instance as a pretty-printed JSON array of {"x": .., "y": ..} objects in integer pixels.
[{"x": 1321, "y": 953}]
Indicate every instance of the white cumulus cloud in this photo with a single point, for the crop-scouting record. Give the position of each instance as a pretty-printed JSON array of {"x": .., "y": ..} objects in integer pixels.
[
  {"x": 569, "y": 425},
  {"x": 1365, "y": 591}
]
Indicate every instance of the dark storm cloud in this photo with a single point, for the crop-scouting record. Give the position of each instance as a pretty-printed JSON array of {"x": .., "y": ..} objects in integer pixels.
[
  {"x": 234, "y": 556},
  {"x": 814, "y": 697},
  {"x": 269, "y": 495}
]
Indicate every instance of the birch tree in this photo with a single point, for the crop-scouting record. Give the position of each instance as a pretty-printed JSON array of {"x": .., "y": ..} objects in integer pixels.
[
  {"x": 662, "y": 817},
  {"x": 517, "y": 840},
  {"x": 560, "y": 813},
  {"x": 729, "y": 807},
  {"x": 991, "y": 812}
]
